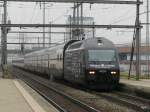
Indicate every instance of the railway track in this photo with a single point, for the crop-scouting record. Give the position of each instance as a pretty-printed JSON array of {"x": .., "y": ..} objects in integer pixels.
[
  {"x": 136, "y": 103},
  {"x": 62, "y": 101},
  {"x": 132, "y": 102}
]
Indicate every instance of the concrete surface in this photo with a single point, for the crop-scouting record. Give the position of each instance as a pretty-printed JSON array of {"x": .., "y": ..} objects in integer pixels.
[
  {"x": 11, "y": 100},
  {"x": 33, "y": 104},
  {"x": 14, "y": 97},
  {"x": 140, "y": 88},
  {"x": 38, "y": 98},
  {"x": 141, "y": 82}
]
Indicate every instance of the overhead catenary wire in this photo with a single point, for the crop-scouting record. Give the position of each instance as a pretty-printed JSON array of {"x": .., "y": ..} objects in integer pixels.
[
  {"x": 124, "y": 19},
  {"x": 118, "y": 19},
  {"x": 147, "y": 37},
  {"x": 54, "y": 19}
]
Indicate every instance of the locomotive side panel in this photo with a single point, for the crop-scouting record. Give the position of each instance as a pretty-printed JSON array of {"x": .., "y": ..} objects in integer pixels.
[
  {"x": 73, "y": 63},
  {"x": 73, "y": 67}
]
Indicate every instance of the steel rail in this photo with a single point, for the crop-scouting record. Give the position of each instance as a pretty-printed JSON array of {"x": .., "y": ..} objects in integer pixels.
[
  {"x": 81, "y": 1},
  {"x": 43, "y": 95},
  {"x": 123, "y": 102},
  {"x": 81, "y": 104},
  {"x": 132, "y": 97}
]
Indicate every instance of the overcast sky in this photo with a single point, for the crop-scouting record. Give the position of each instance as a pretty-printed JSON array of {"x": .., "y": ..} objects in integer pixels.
[{"x": 22, "y": 13}]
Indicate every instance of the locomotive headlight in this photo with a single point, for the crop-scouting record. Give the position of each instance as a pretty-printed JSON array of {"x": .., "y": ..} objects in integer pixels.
[
  {"x": 91, "y": 72},
  {"x": 113, "y": 72}
]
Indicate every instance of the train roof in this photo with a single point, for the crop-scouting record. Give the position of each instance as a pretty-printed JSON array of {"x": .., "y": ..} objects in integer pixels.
[
  {"x": 44, "y": 51},
  {"x": 99, "y": 42}
]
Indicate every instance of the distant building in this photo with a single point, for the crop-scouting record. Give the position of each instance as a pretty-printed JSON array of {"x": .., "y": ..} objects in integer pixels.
[
  {"x": 124, "y": 58},
  {"x": 79, "y": 33}
]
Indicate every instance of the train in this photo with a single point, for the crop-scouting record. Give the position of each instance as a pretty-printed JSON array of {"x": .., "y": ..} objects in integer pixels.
[{"x": 91, "y": 62}]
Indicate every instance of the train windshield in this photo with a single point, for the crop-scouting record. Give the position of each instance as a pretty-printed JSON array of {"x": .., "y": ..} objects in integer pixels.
[{"x": 101, "y": 55}]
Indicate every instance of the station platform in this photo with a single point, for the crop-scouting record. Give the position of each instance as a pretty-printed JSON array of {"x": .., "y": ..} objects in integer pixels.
[
  {"x": 14, "y": 97},
  {"x": 140, "y": 83},
  {"x": 141, "y": 87}
]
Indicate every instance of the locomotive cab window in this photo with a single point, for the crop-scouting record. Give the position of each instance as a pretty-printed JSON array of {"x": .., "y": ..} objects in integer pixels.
[{"x": 101, "y": 55}]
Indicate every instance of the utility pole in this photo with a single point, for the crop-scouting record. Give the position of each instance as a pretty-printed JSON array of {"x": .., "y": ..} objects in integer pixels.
[
  {"x": 74, "y": 14},
  {"x": 22, "y": 41},
  {"x": 77, "y": 13},
  {"x": 50, "y": 36},
  {"x": 81, "y": 14},
  {"x": 19, "y": 40},
  {"x": 77, "y": 20},
  {"x": 93, "y": 31},
  {"x": 44, "y": 24},
  {"x": 138, "y": 68},
  {"x": 74, "y": 20},
  {"x": 82, "y": 30},
  {"x": 71, "y": 36},
  {"x": 64, "y": 37},
  {"x": 4, "y": 41},
  {"x": 147, "y": 38}
]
